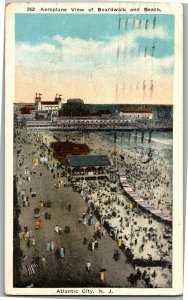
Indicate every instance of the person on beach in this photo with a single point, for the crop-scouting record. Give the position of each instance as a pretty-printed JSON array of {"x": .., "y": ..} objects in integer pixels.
[
  {"x": 102, "y": 276},
  {"x": 62, "y": 252},
  {"x": 33, "y": 241},
  {"x": 41, "y": 204},
  {"x": 92, "y": 245},
  {"x": 25, "y": 228},
  {"x": 96, "y": 244},
  {"x": 85, "y": 240},
  {"x": 84, "y": 220},
  {"x": 103, "y": 232},
  {"x": 57, "y": 229},
  {"x": 27, "y": 235},
  {"x": 49, "y": 204},
  {"x": 52, "y": 245},
  {"x": 28, "y": 242},
  {"x": 116, "y": 255},
  {"x": 88, "y": 267},
  {"x": 60, "y": 230},
  {"x": 43, "y": 262},
  {"x": 48, "y": 246},
  {"x": 21, "y": 235}
]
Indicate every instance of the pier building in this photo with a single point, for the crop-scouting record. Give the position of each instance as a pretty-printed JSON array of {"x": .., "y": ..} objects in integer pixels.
[
  {"x": 62, "y": 149},
  {"x": 48, "y": 105},
  {"x": 136, "y": 114}
]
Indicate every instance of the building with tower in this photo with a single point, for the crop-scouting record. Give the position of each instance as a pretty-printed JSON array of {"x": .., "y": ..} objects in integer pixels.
[{"x": 42, "y": 106}]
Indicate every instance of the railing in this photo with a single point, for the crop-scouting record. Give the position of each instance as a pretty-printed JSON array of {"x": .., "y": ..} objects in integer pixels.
[{"x": 101, "y": 124}]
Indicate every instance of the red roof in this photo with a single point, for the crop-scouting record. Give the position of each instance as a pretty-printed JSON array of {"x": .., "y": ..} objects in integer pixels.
[
  {"x": 104, "y": 112},
  {"x": 69, "y": 147},
  {"x": 77, "y": 114},
  {"x": 49, "y": 102},
  {"x": 137, "y": 111},
  {"x": 26, "y": 109},
  {"x": 83, "y": 113}
]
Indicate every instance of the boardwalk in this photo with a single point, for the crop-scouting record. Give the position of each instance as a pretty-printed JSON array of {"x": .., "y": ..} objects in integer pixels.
[
  {"x": 69, "y": 271},
  {"x": 92, "y": 124}
]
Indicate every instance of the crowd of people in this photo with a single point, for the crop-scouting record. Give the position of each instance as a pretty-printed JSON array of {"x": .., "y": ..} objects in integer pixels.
[
  {"x": 148, "y": 239},
  {"x": 152, "y": 181},
  {"x": 26, "y": 195},
  {"x": 142, "y": 237},
  {"x": 115, "y": 209},
  {"x": 108, "y": 209}
]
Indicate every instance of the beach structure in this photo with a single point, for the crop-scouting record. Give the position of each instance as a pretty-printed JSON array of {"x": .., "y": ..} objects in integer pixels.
[
  {"x": 75, "y": 101},
  {"x": 47, "y": 105},
  {"x": 87, "y": 166},
  {"x": 134, "y": 196},
  {"x": 136, "y": 114},
  {"x": 73, "y": 104},
  {"x": 26, "y": 109},
  {"x": 86, "y": 114},
  {"x": 62, "y": 149}
]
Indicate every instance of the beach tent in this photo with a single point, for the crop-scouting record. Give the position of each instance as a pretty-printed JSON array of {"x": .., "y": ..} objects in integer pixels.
[
  {"x": 134, "y": 195},
  {"x": 128, "y": 190},
  {"x": 168, "y": 219},
  {"x": 147, "y": 205},
  {"x": 155, "y": 211},
  {"x": 136, "y": 198},
  {"x": 141, "y": 202}
]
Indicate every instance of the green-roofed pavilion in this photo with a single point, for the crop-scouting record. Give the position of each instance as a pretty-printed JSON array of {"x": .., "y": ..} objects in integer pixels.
[{"x": 87, "y": 166}]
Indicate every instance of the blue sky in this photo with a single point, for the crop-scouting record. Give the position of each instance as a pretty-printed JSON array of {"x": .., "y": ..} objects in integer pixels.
[
  {"x": 89, "y": 55},
  {"x": 39, "y": 28}
]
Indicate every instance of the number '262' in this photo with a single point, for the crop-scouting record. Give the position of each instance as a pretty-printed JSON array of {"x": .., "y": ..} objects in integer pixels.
[{"x": 30, "y": 8}]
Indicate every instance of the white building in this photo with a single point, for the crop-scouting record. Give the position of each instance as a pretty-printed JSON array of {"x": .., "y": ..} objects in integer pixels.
[
  {"x": 136, "y": 114},
  {"x": 48, "y": 105}
]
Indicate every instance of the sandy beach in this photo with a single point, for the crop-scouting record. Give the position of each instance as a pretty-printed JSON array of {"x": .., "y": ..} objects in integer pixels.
[
  {"x": 153, "y": 181},
  {"x": 149, "y": 181}
]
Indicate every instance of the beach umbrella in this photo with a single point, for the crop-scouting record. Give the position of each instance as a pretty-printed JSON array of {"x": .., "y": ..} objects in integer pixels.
[
  {"x": 169, "y": 219},
  {"x": 147, "y": 205},
  {"x": 128, "y": 190},
  {"x": 134, "y": 195},
  {"x": 138, "y": 200},
  {"x": 164, "y": 216},
  {"x": 141, "y": 202}
]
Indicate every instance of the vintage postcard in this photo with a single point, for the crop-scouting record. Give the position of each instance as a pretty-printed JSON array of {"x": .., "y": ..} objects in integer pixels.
[{"x": 94, "y": 149}]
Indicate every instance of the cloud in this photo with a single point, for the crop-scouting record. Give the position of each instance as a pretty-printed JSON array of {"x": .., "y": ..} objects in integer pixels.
[{"x": 114, "y": 58}]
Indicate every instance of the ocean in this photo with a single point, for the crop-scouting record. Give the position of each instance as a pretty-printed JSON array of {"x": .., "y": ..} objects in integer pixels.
[{"x": 161, "y": 145}]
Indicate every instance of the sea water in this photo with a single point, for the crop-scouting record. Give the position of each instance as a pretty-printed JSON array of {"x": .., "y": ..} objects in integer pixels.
[{"x": 161, "y": 145}]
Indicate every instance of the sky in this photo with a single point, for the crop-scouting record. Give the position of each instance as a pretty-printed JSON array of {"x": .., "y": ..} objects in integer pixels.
[{"x": 107, "y": 58}]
